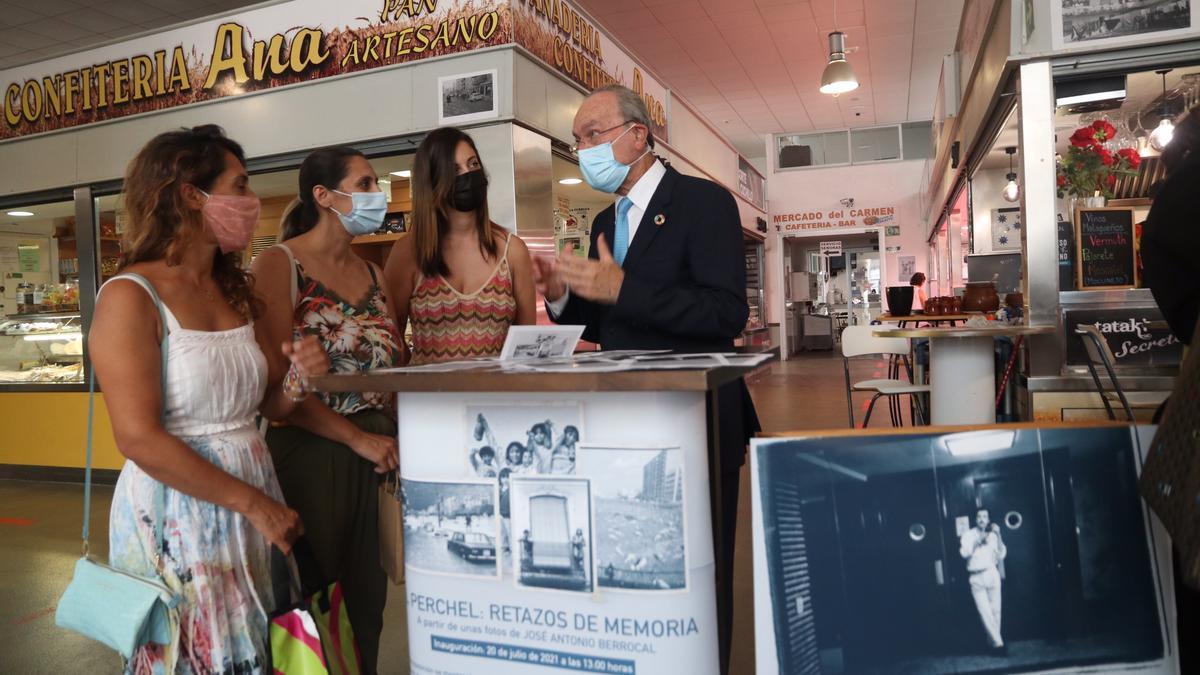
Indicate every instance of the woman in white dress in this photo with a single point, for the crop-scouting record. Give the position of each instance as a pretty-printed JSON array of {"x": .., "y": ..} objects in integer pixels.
[{"x": 189, "y": 434}]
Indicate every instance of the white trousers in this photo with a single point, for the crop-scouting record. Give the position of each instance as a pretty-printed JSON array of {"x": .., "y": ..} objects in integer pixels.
[{"x": 985, "y": 587}]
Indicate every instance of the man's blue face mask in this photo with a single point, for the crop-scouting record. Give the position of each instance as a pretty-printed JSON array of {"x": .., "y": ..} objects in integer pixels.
[{"x": 600, "y": 167}]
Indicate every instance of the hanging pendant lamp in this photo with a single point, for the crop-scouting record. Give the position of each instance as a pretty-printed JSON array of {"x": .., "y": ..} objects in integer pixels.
[
  {"x": 1162, "y": 134},
  {"x": 838, "y": 77},
  {"x": 1012, "y": 191}
]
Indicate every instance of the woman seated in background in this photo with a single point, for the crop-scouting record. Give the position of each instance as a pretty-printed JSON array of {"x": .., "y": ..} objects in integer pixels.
[
  {"x": 330, "y": 458},
  {"x": 918, "y": 283},
  {"x": 460, "y": 278},
  {"x": 189, "y": 432}
]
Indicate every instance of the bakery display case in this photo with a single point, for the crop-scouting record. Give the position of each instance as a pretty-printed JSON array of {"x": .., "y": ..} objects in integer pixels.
[{"x": 41, "y": 348}]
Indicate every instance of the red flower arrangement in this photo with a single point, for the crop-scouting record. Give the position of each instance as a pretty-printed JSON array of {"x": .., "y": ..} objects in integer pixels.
[{"x": 1090, "y": 168}]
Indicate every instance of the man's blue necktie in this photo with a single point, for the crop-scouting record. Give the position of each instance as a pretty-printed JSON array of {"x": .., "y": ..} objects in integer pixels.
[{"x": 621, "y": 236}]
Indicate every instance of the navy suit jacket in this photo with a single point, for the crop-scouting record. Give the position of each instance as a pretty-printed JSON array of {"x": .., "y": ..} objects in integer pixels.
[{"x": 684, "y": 289}]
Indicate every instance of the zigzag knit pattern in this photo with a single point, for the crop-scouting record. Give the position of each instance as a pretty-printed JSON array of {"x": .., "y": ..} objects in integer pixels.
[{"x": 452, "y": 326}]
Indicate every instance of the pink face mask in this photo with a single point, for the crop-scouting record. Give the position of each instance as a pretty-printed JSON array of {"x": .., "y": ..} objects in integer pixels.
[{"x": 232, "y": 218}]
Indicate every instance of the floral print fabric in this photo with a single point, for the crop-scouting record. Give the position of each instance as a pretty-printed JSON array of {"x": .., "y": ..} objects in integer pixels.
[{"x": 357, "y": 338}]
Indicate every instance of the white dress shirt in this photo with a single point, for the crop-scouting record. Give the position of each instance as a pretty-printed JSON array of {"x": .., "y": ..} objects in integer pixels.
[
  {"x": 640, "y": 194},
  {"x": 982, "y": 550}
]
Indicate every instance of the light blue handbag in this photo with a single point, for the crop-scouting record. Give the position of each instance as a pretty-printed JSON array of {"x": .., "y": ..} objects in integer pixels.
[{"x": 120, "y": 609}]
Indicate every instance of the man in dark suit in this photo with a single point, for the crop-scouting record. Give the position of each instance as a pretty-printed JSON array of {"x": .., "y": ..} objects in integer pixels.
[{"x": 666, "y": 270}]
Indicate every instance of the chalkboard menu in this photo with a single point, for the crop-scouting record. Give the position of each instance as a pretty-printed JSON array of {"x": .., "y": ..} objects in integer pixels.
[
  {"x": 1104, "y": 248},
  {"x": 1137, "y": 337}
]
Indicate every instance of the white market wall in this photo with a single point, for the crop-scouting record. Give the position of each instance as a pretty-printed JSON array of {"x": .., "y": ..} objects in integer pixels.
[{"x": 819, "y": 189}]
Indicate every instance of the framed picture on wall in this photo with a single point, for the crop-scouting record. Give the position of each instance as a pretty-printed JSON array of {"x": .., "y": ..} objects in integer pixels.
[
  {"x": 1006, "y": 229},
  {"x": 1090, "y": 23},
  {"x": 467, "y": 97}
]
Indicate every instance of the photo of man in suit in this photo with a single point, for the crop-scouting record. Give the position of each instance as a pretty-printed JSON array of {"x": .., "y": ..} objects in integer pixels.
[{"x": 666, "y": 270}]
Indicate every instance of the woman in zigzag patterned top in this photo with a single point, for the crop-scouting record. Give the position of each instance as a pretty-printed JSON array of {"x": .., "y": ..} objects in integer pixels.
[{"x": 460, "y": 278}]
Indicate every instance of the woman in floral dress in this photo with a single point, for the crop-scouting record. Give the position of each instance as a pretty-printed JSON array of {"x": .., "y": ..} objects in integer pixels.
[
  {"x": 188, "y": 433},
  {"x": 331, "y": 454}
]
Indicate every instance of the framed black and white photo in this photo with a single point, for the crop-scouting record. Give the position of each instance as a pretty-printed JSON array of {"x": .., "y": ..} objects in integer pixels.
[
  {"x": 1095, "y": 23},
  {"x": 467, "y": 98},
  {"x": 540, "y": 342},
  {"x": 1002, "y": 550},
  {"x": 451, "y": 527},
  {"x": 1006, "y": 229},
  {"x": 525, "y": 439},
  {"x": 552, "y": 533},
  {"x": 639, "y": 516}
]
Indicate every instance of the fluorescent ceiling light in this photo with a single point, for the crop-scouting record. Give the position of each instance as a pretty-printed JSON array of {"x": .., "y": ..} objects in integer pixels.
[
  {"x": 402, "y": 174},
  {"x": 979, "y": 442},
  {"x": 570, "y": 181},
  {"x": 52, "y": 337},
  {"x": 1076, "y": 92},
  {"x": 1091, "y": 97},
  {"x": 20, "y": 214}
]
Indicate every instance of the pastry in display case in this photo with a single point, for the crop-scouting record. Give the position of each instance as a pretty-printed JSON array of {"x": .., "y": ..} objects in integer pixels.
[{"x": 41, "y": 349}]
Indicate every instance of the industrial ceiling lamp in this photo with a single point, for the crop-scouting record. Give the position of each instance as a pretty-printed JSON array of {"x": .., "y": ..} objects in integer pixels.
[
  {"x": 1012, "y": 191},
  {"x": 1162, "y": 134},
  {"x": 838, "y": 77}
]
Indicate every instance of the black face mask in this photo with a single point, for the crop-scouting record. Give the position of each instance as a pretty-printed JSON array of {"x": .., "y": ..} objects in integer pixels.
[{"x": 470, "y": 191}]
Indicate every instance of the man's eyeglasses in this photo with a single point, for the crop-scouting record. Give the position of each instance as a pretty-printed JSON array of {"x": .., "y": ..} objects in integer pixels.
[{"x": 593, "y": 137}]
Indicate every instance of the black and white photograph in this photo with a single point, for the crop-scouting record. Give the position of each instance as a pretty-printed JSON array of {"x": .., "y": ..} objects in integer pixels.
[
  {"x": 552, "y": 533},
  {"x": 1093, "y": 20},
  {"x": 641, "y": 541},
  {"x": 992, "y": 551},
  {"x": 525, "y": 439},
  {"x": 451, "y": 528},
  {"x": 467, "y": 97},
  {"x": 540, "y": 342}
]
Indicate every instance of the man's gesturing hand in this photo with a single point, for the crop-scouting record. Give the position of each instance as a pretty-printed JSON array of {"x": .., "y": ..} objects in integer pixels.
[{"x": 595, "y": 280}]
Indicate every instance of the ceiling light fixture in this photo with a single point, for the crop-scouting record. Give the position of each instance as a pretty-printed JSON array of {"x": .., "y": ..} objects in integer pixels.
[
  {"x": 20, "y": 214},
  {"x": 570, "y": 181},
  {"x": 1012, "y": 191},
  {"x": 402, "y": 174},
  {"x": 1162, "y": 134},
  {"x": 838, "y": 77},
  {"x": 979, "y": 442}
]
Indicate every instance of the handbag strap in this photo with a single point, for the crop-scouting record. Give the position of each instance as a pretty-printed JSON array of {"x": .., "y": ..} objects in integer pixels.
[{"x": 159, "y": 492}]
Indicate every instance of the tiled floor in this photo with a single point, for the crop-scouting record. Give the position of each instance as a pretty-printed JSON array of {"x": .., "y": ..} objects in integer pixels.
[{"x": 39, "y": 536}]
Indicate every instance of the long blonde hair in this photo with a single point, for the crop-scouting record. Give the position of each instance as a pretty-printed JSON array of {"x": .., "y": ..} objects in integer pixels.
[{"x": 433, "y": 176}]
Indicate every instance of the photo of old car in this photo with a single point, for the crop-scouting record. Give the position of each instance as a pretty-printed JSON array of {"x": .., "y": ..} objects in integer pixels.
[{"x": 473, "y": 546}]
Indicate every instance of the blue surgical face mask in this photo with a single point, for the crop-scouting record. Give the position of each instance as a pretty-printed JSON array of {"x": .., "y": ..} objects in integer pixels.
[
  {"x": 600, "y": 167},
  {"x": 366, "y": 214}
]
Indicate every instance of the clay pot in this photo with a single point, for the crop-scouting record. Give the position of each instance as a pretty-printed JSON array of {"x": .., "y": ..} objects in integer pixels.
[
  {"x": 980, "y": 296},
  {"x": 955, "y": 305},
  {"x": 933, "y": 307},
  {"x": 1014, "y": 300}
]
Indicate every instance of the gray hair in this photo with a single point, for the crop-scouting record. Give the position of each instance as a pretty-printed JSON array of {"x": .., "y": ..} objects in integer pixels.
[{"x": 631, "y": 107}]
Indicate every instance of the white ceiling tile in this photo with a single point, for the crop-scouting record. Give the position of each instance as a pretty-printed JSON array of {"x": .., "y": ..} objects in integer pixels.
[
  {"x": 95, "y": 21},
  {"x": 16, "y": 16},
  {"x": 679, "y": 12},
  {"x": 56, "y": 31},
  {"x": 796, "y": 11},
  {"x": 135, "y": 11}
]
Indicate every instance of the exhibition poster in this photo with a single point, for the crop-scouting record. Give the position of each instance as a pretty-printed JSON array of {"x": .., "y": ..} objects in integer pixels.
[{"x": 536, "y": 533}]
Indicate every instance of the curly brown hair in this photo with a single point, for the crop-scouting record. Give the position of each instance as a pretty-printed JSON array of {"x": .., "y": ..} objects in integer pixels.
[{"x": 159, "y": 227}]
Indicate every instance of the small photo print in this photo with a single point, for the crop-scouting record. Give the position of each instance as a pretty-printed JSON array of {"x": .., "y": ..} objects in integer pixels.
[
  {"x": 467, "y": 97},
  {"x": 640, "y": 534},
  {"x": 450, "y": 528},
  {"x": 540, "y": 342},
  {"x": 552, "y": 533},
  {"x": 523, "y": 439}
]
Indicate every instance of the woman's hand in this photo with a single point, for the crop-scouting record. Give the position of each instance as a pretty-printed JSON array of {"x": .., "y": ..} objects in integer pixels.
[
  {"x": 308, "y": 357},
  {"x": 383, "y": 451},
  {"x": 275, "y": 521}
]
